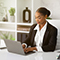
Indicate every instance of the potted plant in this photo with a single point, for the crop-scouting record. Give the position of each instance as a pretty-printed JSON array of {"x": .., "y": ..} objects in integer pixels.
[
  {"x": 12, "y": 11},
  {"x": 6, "y": 36}
]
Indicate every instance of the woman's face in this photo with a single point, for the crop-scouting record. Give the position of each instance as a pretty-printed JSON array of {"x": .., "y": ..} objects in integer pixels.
[{"x": 40, "y": 19}]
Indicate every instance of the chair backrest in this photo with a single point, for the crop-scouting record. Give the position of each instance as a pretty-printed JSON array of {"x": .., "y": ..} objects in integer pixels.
[{"x": 56, "y": 23}]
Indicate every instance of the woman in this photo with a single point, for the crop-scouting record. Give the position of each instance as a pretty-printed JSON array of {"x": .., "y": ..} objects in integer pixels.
[{"x": 42, "y": 36}]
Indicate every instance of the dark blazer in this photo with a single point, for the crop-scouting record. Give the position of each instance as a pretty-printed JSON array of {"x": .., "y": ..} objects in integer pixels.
[{"x": 49, "y": 39}]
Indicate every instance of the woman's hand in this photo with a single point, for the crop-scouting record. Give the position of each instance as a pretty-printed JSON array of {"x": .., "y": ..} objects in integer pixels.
[
  {"x": 23, "y": 45},
  {"x": 29, "y": 49}
]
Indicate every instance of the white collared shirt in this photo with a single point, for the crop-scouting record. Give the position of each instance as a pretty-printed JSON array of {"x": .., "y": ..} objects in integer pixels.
[{"x": 39, "y": 36}]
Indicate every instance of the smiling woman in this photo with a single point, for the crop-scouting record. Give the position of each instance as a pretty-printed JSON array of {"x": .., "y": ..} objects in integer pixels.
[{"x": 42, "y": 36}]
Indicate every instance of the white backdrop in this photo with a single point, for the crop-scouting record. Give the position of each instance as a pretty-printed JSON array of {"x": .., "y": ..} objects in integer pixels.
[{"x": 53, "y": 6}]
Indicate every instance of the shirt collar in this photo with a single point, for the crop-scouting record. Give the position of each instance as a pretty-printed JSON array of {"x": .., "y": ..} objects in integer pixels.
[{"x": 37, "y": 26}]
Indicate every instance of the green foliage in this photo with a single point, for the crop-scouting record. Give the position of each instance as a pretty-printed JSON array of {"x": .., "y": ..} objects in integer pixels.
[
  {"x": 12, "y": 11},
  {"x": 11, "y": 37},
  {"x": 7, "y": 36},
  {"x": 49, "y": 18}
]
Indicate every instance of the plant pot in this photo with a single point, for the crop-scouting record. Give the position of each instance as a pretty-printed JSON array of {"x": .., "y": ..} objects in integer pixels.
[{"x": 12, "y": 18}]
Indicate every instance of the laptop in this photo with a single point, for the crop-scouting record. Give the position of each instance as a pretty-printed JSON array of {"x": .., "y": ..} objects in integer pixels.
[{"x": 15, "y": 47}]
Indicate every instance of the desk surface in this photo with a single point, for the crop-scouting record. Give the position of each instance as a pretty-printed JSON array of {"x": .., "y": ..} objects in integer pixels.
[{"x": 5, "y": 55}]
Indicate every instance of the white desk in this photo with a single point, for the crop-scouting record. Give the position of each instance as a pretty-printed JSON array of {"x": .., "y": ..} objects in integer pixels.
[{"x": 5, "y": 55}]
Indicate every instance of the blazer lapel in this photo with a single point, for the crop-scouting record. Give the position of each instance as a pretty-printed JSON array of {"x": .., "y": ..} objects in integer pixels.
[
  {"x": 46, "y": 34},
  {"x": 34, "y": 33}
]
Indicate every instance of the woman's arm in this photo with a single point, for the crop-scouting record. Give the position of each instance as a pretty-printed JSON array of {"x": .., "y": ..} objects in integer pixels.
[{"x": 28, "y": 39}]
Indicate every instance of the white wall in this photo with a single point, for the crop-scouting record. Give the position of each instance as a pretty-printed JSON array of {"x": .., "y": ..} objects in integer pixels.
[
  {"x": 53, "y": 6},
  {"x": 8, "y": 3}
]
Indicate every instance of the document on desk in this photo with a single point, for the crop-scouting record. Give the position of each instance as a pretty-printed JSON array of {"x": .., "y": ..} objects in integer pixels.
[{"x": 2, "y": 45}]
